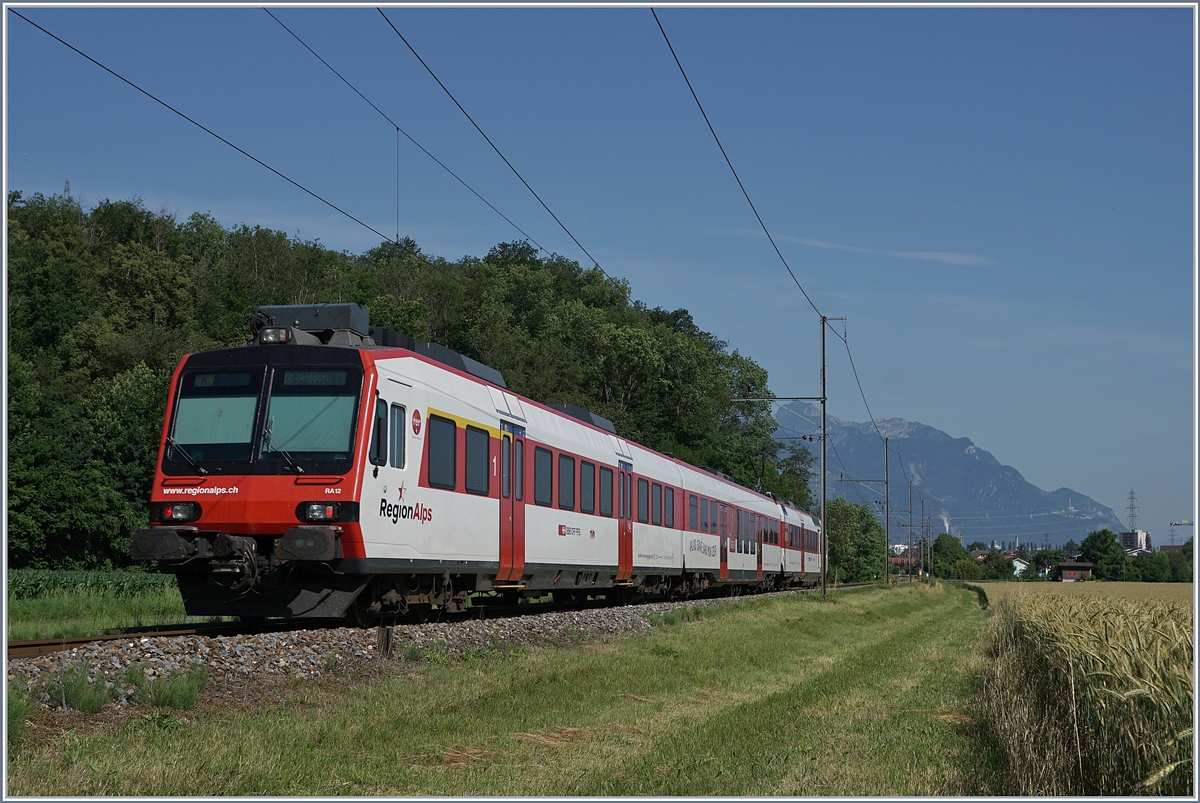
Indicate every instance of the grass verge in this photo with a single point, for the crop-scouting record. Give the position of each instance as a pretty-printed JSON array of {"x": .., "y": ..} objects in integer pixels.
[{"x": 865, "y": 694}]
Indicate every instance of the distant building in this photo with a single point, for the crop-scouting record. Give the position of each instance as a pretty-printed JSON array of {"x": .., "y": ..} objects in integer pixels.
[
  {"x": 1019, "y": 566},
  {"x": 1137, "y": 539},
  {"x": 978, "y": 555},
  {"x": 1171, "y": 548},
  {"x": 1071, "y": 571}
]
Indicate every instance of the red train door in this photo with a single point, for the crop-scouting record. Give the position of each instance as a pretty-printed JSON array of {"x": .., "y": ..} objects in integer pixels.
[
  {"x": 512, "y": 503},
  {"x": 762, "y": 526},
  {"x": 625, "y": 524},
  {"x": 724, "y": 547}
]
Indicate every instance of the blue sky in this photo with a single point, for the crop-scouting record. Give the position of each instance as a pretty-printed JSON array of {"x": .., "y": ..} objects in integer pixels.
[{"x": 999, "y": 200}]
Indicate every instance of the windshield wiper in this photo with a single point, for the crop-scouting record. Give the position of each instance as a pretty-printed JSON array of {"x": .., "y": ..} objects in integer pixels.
[
  {"x": 174, "y": 444},
  {"x": 291, "y": 461}
]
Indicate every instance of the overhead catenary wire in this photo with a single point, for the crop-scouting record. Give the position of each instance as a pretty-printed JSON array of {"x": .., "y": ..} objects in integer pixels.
[
  {"x": 203, "y": 128},
  {"x": 489, "y": 142},
  {"x": 712, "y": 131},
  {"x": 400, "y": 131}
]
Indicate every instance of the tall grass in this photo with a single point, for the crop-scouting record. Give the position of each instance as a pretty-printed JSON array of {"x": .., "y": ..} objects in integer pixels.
[
  {"x": 68, "y": 613},
  {"x": 1090, "y": 696}
]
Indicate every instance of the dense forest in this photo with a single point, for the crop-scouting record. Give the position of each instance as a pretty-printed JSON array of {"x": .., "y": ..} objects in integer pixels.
[{"x": 103, "y": 303}]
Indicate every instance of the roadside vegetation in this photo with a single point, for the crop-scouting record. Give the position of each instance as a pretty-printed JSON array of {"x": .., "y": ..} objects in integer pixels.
[
  {"x": 867, "y": 693},
  {"x": 1090, "y": 692}
]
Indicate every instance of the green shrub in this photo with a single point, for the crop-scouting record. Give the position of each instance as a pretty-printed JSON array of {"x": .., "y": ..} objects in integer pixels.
[
  {"x": 20, "y": 706},
  {"x": 70, "y": 687},
  {"x": 177, "y": 691}
]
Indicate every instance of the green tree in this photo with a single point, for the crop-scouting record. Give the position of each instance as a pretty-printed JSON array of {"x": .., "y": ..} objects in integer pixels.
[
  {"x": 1046, "y": 560},
  {"x": 1102, "y": 549},
  {"x": 947, "y": 551},
  {"x": 997, "y": 567},
  {"x": 966, "y": 569},
  {"x": 856, "y": 542}
]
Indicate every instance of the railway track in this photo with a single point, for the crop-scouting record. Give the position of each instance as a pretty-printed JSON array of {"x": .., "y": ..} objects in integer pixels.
[{"x": 35, "y": 647}]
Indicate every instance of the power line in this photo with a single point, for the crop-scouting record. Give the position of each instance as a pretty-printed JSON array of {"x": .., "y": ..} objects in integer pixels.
[
  {"x": 489, "y": 141},
  {"x": 201, "y": 127},
  {"x": 399, "y": 131},
  {"x": 730, "y": 163}
]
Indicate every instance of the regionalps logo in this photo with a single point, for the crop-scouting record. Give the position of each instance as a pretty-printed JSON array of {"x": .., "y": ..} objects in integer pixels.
[
  {"x": 396, "y": 512},
  {"x": 416, "y": 422}
]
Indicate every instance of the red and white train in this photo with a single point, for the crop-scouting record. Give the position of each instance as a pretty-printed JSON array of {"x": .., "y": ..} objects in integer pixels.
[{"x": 331, "y": 469}]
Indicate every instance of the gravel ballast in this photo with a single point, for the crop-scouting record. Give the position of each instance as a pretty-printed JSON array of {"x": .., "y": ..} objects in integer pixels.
[{"x": 309, "y": 653}]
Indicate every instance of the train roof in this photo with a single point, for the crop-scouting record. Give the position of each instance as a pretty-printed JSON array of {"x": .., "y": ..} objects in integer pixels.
[{"x": 347, "y": 325}]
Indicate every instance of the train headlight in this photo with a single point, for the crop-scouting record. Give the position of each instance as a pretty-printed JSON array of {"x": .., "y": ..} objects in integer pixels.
[
  {"x": 274, "y": 334},
  {"x": 174, "y": 512},
  {"x": 317, "y": 511}
]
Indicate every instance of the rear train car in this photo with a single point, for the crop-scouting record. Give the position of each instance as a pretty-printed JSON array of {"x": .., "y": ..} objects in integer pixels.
[{"x": 332, "y": 469}]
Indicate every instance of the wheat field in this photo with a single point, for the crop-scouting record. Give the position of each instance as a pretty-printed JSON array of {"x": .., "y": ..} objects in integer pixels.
[
  {"x": 1136, "y": 592},
  {"x": 1090, "y": 687}
]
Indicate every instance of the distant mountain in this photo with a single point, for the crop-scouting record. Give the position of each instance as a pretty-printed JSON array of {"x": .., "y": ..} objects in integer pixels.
[{"x": 967, "y": 491}]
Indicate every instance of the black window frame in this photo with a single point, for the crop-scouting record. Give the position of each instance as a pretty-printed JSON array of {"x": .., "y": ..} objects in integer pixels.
[
  {"x": 474, "y": 460},
  {"x": 433, "y": 426},
  {"x": 543, "y": 481},
  {"x": 668, "y": 506},
  {"x": 606, "y": 502},
  {"x": 693, "y": 513},
  {"x": 377, "y": 452},
  {"x": 566, "y": 490},
  {"x": 519, "y": 470},
  {"x": 396, "y": 436},
  {"x": 643, "y": 500},
  {"x": 656, "y": 500},
  {"x": 506, "y": 451},
  {"x": 587, "y": 487}
]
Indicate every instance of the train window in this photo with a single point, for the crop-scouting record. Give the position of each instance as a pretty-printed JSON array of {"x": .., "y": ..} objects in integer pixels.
[
  {"x": 628, "y": 495},
  {"x": 505, "y": 461},
  {"x": 377, "y": 454},
  {"x": 605, "y": 491},
  {"x": 543, "y": 477},
  {"x": 669, "y": 506},
  {"x": 477, "y": 468},
  {"x": 693, "y": 512},
  {"x": 587, "y": 487},
  {"x": 519, "y": 471},
  {"x": 621, "y": 495},
  {"x": 399, "y": 419},
  {"x": 566, "y": 482},
  {"x": 704, "y": 516},
  {"x": 656, "y": 505},
  {"x": 442, "y": 437},
  {"x": 643, "y": 500}
]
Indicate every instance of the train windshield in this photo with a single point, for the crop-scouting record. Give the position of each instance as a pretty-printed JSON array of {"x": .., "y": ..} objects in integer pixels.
[
  {"x": 214, "y": 419},
  {"x": 265, "y": 420},
  {"x": 310, "y": 416}
]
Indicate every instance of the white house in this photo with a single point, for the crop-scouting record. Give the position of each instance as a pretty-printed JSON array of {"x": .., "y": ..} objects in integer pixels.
[{"x": 1019, "y": 566}]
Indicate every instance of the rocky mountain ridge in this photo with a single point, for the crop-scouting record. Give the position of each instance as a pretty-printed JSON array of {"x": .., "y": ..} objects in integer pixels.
[{"x": 966, "y": 490}]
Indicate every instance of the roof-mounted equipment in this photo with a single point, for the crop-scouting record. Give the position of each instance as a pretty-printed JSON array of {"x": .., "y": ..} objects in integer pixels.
[{"x": 575, "y": 411}]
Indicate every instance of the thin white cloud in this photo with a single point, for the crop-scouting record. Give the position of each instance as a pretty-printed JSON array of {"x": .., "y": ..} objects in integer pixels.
[{"x": 946, "y": 257}]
